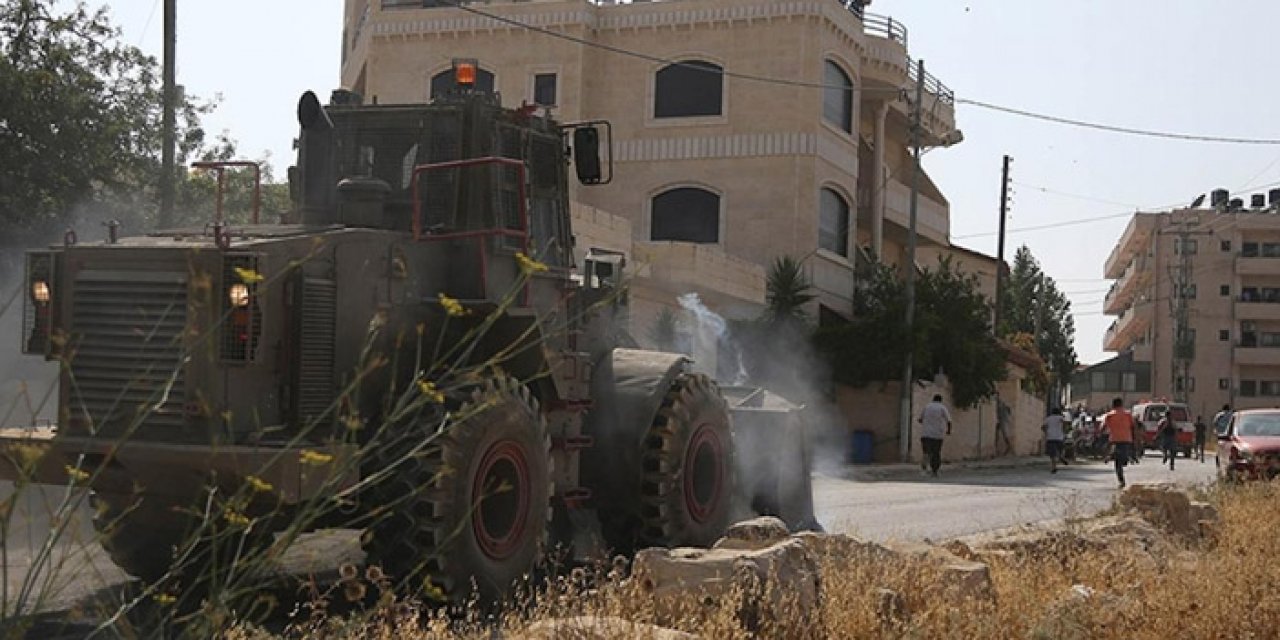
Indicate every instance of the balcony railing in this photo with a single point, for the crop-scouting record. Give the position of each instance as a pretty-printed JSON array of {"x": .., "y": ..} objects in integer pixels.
[
  {"x": 882, "y": 26},
  {"x": 886, "y": 27}
]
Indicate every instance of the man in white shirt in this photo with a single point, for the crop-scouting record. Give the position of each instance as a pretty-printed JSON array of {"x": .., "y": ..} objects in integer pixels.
[
  {"x": 1053, "y": 437},
  {"x": 936, "y": 421}
]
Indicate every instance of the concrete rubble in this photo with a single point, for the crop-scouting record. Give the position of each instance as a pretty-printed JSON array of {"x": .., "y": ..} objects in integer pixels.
[{"x": 761, "y": 568}]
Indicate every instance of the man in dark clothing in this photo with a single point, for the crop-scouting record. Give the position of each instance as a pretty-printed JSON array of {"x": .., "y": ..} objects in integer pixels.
[
  {"x": 1167, "y": 432},
  {"x": 1202, "y": 431}
]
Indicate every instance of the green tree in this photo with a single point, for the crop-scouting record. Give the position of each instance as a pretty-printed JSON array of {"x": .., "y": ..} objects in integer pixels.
[
  {"x": 80, "y": 115},
  {"x": 1033, "y": 305},
  {"x": 952, "y": 333}
]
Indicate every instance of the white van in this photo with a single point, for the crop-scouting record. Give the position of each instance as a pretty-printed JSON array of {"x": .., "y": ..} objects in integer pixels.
[{"x": 1148, "y": 415}]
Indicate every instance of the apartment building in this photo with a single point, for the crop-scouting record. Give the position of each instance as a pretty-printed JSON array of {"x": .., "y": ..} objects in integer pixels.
[
  {"x": 1197, "y": 296},
  {"x": 743, "y": 130}
]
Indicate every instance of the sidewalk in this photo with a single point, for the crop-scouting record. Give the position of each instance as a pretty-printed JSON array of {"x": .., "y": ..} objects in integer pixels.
[{"x": 888, "y": 471}]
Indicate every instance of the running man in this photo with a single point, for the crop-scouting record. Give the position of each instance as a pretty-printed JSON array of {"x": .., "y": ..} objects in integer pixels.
[{"x": 1118, "y": 424}]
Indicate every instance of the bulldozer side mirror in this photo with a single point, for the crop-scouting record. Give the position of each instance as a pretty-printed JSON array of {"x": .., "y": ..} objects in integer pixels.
[
  {"x": 586, "y": 155},
  {"x": 586, "y": 151}
]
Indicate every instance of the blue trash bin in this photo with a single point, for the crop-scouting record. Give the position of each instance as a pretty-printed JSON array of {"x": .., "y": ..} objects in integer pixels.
[{"x": 863, "y": 445}]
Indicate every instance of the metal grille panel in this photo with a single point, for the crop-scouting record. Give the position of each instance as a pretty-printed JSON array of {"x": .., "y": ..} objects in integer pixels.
[
  {"x": 128, "y": 359},
  {"x": 317, "y": 338}
]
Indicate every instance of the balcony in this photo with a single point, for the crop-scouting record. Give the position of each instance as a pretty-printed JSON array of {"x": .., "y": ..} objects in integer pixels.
[
  {"x": 1253, "y": 309},
  {"x": 1135, "y": 278},
  {"x": 1257, "y": 356},
  {"x": 1129, "y": 327},
  {"x": 831, "y": 276},
  {"x": 931, "y": 216},
  {"x": 1132, "y": 242},
  {"x": 886, "y": 64},
  {"x": 1258, "y": 266}
]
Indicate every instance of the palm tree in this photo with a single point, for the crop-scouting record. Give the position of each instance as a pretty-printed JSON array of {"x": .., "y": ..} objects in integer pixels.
[{"x": 787, "y": 291}]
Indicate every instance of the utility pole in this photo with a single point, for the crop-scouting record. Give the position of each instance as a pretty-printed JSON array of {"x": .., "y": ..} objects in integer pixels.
[
  {"x": 169, "y": 120},
  {"x": 1180, "y": 280},
  {"x": 908, "y": 379},
  {"x": 1004, "y": 211}
]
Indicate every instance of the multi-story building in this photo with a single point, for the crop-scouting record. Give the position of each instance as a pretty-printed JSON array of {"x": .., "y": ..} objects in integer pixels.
[
  {"x": 1197, "y": 295},
  {"x": 743, "y": 130}
]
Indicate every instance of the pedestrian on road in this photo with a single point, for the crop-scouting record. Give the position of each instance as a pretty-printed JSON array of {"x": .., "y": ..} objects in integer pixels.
[
  {"x": 1167, "y": 432},
  {"x": 1221, "y": 419},
  {"x": 1202, "y": 431},
  {"x": 1053, "y": 438},
  {"x": 1119, "y": 426},
  {"x": 937, "y": 424}
]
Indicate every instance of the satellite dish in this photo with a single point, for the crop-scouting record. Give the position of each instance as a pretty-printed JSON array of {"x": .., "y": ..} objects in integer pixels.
[{"x": 1198, "y": 201}]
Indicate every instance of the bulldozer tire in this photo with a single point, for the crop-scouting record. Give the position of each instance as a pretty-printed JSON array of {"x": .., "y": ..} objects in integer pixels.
[
  {"x": 688, "y": 484},
  {"x": 472, "y": 506},
  {"x": 138, "y": 534}
]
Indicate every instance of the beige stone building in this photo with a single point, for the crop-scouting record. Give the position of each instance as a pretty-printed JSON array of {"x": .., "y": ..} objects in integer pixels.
[
  {"x": 1226, "y": 347},
  {"x": 782, "y": 129}
]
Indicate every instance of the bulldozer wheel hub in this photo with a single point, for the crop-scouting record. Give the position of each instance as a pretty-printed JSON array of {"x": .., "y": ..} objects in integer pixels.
[
  {"x": 704, "y": 473},
  {"x": 501, "y": 492}
]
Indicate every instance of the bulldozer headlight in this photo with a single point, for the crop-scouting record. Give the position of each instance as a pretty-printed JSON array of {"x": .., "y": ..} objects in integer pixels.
[
  {"x": 238, "y": 295},
  {"x": 40, "y": 291}
]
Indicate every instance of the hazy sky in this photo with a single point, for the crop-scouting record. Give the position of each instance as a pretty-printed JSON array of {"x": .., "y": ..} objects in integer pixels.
[{"x": 1186, "y": 66}]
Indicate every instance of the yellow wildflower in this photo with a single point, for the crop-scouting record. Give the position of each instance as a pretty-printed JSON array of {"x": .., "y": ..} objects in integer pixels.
[
  {"x": 235, "y": 518},
  {"x": 451, "y": 305},
  {"x": 76, "y": 474},
  {"x": 165, "y": 599},
  {"x": 258, "y": 484},
  {"x": 529, "y": 265},
  {"x": 433, "y": 591},
  {"x": 431, "y": 392},
  {"x": 248, "y": 276},
  {"x": 315, "y": 458}
]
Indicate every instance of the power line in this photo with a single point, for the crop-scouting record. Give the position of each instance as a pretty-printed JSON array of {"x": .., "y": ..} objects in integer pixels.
[
  {"x": 818, "y": 85},
  {"x": 1053, "y": 225},
  {"x": 1118, "y": 129},
  {"x": 1077, "y": 196}
]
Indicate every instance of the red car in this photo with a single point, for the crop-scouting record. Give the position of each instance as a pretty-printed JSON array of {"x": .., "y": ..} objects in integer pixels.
[{"x": 1250, "y": 449}]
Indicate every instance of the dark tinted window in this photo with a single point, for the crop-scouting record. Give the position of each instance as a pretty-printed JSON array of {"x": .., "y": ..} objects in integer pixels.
[
  {"x": 442, "y": 82},
  {"x": 692, "y": 88},
  {"x": 686, "y": 214},
  {"x": 837, "y": 97},
  {"x": 544, "y": 89},
  {"x": 833, "y": 223}
]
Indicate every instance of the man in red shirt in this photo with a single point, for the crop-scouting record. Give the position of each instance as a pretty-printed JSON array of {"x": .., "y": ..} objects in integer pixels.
[{"x": 1118, "y": 424}]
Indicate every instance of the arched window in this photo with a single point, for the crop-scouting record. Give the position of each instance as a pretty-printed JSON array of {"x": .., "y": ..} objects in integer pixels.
[
  {"x": 442, "y": 83},
  {"x": 833, "y": 223},
  {"x": 686, "y": 214},
  {"x": 837, "y": 97},
  {"x": 690, "y": 88}
]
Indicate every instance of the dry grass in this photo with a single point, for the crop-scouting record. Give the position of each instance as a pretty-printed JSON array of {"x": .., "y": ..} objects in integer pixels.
[{"x": 1124, "y": 588}]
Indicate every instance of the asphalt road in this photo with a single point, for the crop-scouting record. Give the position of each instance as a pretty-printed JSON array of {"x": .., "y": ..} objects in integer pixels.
[
  {"x": 904, "y": 506},
  {"x": 910, "y": 507}
]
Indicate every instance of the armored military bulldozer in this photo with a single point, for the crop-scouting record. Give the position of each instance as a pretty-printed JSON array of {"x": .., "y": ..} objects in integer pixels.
[{"x": 417, "y": 349}]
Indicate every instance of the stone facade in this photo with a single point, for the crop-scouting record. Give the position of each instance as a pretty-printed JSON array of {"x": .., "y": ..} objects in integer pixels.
[
  {"x": 768, "y": 151},
  {"x": 1232, "y": 296}
]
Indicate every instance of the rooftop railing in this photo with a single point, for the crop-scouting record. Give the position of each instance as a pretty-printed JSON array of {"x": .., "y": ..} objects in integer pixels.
[{"x": 881, "y": 26}]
